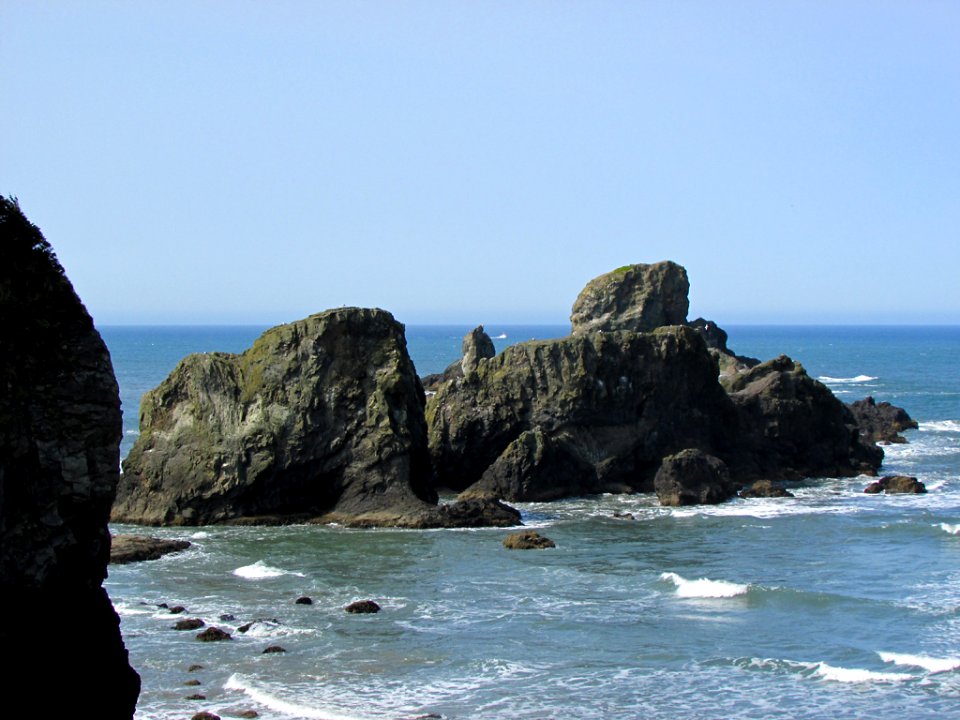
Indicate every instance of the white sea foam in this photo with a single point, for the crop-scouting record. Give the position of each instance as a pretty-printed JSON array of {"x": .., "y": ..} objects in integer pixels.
[
  {"x": 131, "y": 432},
  {"x": 704, "y": 588},
  {"x": 200, "y": 535},
  {"x": 931, "y": 664},
  {"x": 501, "y": 336},
  {"x": 856, "y": 675},
  {"x": 840, "y": 381},
  {"x": 952, "y": 528},
  {"x": 124, "y": 609},
  {"x": 260, "y": 570},
  {"x": 940, "y": 426},
  {"x": 238, "y": 682}
]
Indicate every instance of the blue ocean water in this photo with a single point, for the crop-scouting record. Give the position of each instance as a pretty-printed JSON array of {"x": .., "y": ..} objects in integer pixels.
[{"x": 834, "y": 604}]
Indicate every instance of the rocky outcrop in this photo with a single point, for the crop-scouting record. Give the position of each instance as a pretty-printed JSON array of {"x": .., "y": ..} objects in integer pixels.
[
  {"x": 896, "y": 484},
  {"x": 137, "y": 548},
  {"x": 765, "y": 489},
  {"x": 790, "y": 426},
  {"x": 60, "y": 432},
  {"x": 692, "y": 477},
  {"x": 477, "y": 346},
  {"x": 639, "y": 298},
  {"x": 321, "y": 420},
  {"x": 881, "y": 422},
  {"x": 599, "y": 411},
  {"x": 527, "y": 540},
  {"x": 608, "y": 405},
  {"x": 363, "y": 607}
]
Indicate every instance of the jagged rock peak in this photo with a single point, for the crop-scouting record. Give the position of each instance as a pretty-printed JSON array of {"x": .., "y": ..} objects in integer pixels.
[
  {"x": 60, "y": 430},
  {"x": 633, "y": 297},
  {"x": 477, "y": 346}
]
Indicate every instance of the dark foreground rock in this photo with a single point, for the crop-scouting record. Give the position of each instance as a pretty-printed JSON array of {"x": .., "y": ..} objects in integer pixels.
[
  {"x": 60, "y": 430},
  {"x": 189, "y": 624},
  {"x": 692, "y": 477},
  {"x": 765, "y": 489},
  {"x": 213, "y": 634},
  {"x": 362, "y": 607},
  {"x": 881, "y": 422},
  {"x": 320, "y": 421},
  {"x": 527, "y": 540},
  {"x": 896, "y": 484},
  {"x": 137, "y": 548}
]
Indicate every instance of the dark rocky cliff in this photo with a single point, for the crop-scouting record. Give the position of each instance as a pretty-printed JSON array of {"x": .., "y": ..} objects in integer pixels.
[{"x": 60, "y": 429}]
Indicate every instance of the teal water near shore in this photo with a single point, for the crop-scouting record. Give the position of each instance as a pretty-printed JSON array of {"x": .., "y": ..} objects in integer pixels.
[{"x": 834, "y": 604}]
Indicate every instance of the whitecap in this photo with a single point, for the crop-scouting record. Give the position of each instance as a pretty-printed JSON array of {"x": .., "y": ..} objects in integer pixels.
[
  {"x": 236, "y": 682},
  {"x": 501, "y": 336},
  {"x": 857, "y": 379},
  {"x": 930, "y": 664},
  {"x": 260, "y": 570},
  {"x": 856, "y": 675},
  {"x": 200, "y": 535},
  {"x": 940, "y": 426},
  {"x": 131, "y": 432},
  {"x": 952, "y": 528},
  {"x": 704, "y": 587},
  {"x": 123, "y": 609}
]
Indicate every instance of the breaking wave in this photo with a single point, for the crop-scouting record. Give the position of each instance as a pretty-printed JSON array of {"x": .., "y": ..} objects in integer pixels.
[
  {"x": 704, "y": 588},
  {"x": 260, "y": 570},
  {"x": 930, "y": 664},
  {"x": 857, "y": 379}
]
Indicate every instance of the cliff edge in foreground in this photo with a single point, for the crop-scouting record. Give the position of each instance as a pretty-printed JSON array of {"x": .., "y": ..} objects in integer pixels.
[{"x": 60, "y": 432}]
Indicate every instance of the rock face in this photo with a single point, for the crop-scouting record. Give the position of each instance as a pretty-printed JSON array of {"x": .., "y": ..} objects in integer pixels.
[
  {"x": 691, "y": 477},
  {"x": 321, "y": 420},
  {"x": 881, "y": 422},
  {"x": 60, "y": 432},
  {"x": 477, "y": 346},
  {"x": 765, "y": 489},
  {"x": 634, "y": 297},
  {"x": 600, "y": 410},
  {"x": 791, "y": 426}
]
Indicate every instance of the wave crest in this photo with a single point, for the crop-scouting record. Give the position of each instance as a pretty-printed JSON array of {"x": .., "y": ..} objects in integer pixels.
[
  {"x": 930, "y": 664},
  {"x": 704, "y": 587},
  {"x": 857, "y": 379},
  {"x": 260, "y": 570}
]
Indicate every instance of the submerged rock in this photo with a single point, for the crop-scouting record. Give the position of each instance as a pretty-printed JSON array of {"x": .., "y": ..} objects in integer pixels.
[
  {"x": 60, "y": 429},
  {"x": 527, "y": 540},
  {"x": 213, "y": 634},
  {"x": 273, "y": 649},
  {"x": 189, "y": 624},
  {"x": 320, "y": 420},
  {"x": 692, "y": 477},
  {"x": 362, "y": 607},
  {"x": 765, "y": 489},
  {"x": 639, "y": 298},
  {"x": 896, "y": 484},
  {"x": 303, "y": 600},
  {"x": 137, "y": 548},
  {"x": 881, "y": 422}
]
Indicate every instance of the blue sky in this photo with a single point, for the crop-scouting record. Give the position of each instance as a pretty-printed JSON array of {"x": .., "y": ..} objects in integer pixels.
[{"x": 245, "y": 162}]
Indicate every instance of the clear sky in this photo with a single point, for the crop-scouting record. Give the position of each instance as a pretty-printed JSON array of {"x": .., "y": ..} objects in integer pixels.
[{"x": 254, "y": 162}]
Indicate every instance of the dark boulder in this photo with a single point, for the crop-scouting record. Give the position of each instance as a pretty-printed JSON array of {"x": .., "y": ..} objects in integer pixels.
[
  {"x": 177, "y": 609},
  {"x": 60, "y": 429},
  {"x": 881, "y": 422},
  {"x": 273, "y": 649},
  {"x": 692, "y": 477},
  {"x": 192, "y": 683},
  {"x": 527, "y": 540},
  {"x": 204, "y": 715},
  {"x": 634, "y": 297},
  {"x": 189, "y": 624},
  {"x": 362, "y": 607},
  {"x": 896, "y": 484},
  {"x": 213, "y": 634},
  {"x": 136, "y": 548},
  {"x": 765, "y": 489},
  {"x": 304, "y": 600}
]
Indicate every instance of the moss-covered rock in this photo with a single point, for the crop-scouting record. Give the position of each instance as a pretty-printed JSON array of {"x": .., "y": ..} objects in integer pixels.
[{"x": 321, "y": 419}]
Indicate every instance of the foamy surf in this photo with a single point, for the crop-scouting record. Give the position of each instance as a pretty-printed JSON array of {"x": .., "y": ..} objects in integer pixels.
[
  {"x": 930, "y": 664},
  {"x": 952, "y": 528},
  {"x": 260, "y": 571},
  {"x": 237, "y": 682},
  {"x": 842, "y": 381},
  {"x": 704, "y": 587},
  {"x": 940, "y": 426},
  {"x": 856, "y": 675}
]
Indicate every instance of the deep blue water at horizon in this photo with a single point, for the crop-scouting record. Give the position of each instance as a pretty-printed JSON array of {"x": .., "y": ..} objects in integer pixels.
[{"x": 834, "y": 604}]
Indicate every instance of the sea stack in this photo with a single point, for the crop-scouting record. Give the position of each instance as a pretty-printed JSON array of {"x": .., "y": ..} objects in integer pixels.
[
  {"x": 60, "y": 429},
  {"x": 320, "y": 420}
]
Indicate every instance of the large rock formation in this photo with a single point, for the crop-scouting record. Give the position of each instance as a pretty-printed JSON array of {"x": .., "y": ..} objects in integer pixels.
[
  {"x": 600, "y": 410},
  {"x": 692, "y": 477},
  {"x": 322, "y": 420},
  {"x": 60, "y": 430},
  {"x": 633, "y": 297},
  {"x": 589, "y": 413},
  {"x": 476, "y": 347},
  {"x": 881, "y": 422}
]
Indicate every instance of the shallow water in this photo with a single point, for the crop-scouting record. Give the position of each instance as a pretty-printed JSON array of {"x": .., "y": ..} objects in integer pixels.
[{"x": 833, "y": 604}]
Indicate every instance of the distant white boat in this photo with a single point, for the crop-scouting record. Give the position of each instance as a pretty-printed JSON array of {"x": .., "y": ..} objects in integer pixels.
[{"x": 501, "y": 336}]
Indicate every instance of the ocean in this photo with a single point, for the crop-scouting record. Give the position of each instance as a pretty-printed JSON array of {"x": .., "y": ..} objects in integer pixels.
[{"x": 834, "y": 604}]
